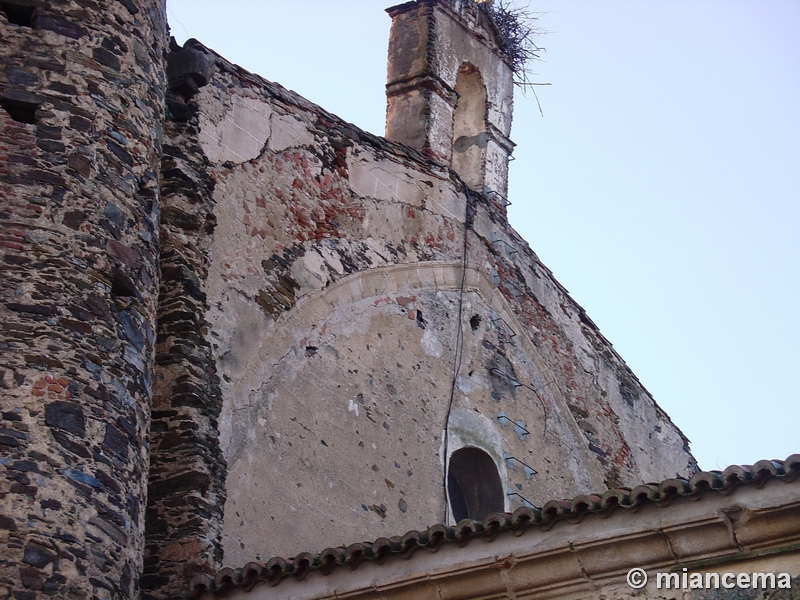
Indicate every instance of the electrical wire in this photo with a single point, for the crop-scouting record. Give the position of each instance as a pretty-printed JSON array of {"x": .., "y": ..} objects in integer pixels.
[{"x": 459, "y": 345}]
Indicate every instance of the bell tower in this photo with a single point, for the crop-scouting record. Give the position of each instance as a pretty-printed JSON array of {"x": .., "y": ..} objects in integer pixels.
[{"x": 450, "y": 89}]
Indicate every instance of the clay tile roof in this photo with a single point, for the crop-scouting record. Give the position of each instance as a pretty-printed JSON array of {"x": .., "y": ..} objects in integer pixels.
[{"x": 431, "y": 539}]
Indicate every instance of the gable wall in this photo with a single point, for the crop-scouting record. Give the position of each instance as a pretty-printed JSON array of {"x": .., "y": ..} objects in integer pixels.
[{"x": 332, "y": 289}]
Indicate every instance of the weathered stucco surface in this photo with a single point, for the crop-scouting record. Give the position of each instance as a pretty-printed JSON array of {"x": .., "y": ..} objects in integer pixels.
[
  {"x": 333, "y": 289},
  {"x": 275, "y": 332}
]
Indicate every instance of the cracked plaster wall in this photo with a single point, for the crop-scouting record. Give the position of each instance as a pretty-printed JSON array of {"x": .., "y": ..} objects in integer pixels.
[{"x": 332, "y": 290}]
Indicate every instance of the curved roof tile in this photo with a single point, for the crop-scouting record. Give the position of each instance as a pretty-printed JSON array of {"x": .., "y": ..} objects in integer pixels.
[{"x": 431, "y": 539}]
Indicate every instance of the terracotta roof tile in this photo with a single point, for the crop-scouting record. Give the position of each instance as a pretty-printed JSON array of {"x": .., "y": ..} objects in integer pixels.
[{"x": 431, "y": 539}]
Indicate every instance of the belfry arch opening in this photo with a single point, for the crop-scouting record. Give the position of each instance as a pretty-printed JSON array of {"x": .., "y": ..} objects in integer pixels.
[
  {"x": 469, "y": 127},
  {"x": 473, "y": 485}
]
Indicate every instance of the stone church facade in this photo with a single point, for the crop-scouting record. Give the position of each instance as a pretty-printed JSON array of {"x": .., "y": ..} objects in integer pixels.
[{"x": 236, "y": 327}]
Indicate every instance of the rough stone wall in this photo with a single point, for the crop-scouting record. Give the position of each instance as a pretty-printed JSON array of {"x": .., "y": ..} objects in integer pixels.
[
  {"x": 187, "y": 471},
  {"x": 81, "y": 87},
  {"x": 336, "y": 307}
]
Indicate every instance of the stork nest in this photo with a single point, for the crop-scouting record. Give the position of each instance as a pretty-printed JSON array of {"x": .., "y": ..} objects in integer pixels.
[{"x": 518, "y": 31}]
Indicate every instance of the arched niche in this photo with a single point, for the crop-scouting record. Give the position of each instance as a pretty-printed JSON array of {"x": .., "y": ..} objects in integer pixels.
[
  {"x": 469, "y": 127},
  {"x": 473, "y": 485}
]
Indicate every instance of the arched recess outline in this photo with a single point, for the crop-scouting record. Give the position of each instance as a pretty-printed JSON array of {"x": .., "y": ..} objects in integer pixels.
[{"x": 469, "y": 127}]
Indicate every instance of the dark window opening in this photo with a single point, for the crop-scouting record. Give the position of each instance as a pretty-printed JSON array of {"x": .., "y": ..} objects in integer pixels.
[
  {"x": 22, "y": 112},
  {"x": 473, "y": 485},
  {"x": 475, "y": 322},
  {"x": 18, "y": 14}
]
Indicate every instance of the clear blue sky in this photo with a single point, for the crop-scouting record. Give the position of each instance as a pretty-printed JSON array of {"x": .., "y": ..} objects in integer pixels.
[{"x": 662, "y": 185}]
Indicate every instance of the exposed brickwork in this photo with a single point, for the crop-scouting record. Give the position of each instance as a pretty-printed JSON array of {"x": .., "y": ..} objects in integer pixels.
[
  {"x": 80, "y": 128},
  {"x": 588, "y": 401}
]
